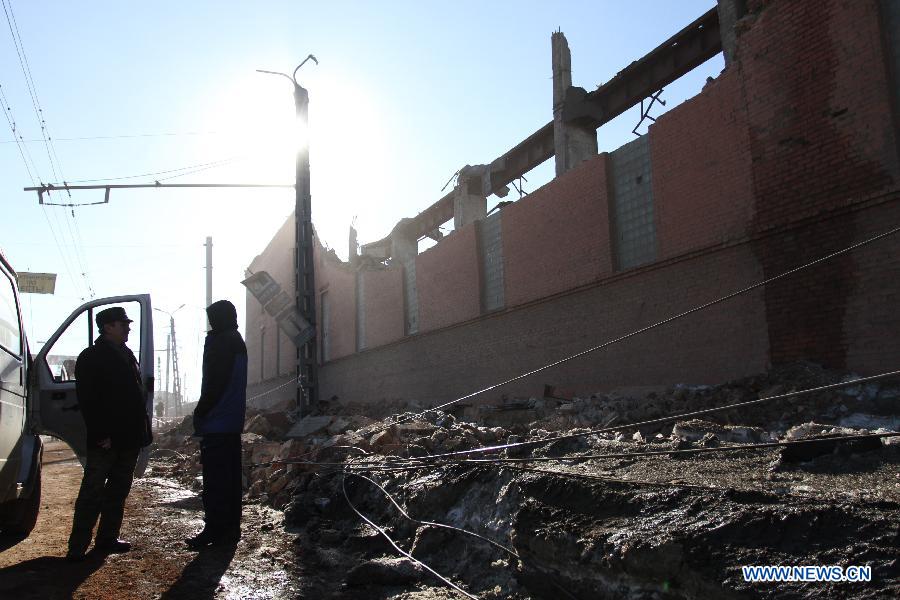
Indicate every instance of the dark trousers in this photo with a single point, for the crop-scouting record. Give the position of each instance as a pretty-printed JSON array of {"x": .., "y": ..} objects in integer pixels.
[
  {"x": 107, "y": 480},
  {"x": 221, "y": 457}
]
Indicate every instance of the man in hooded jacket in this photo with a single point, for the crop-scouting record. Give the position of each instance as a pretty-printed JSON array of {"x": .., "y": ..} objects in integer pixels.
[{"x": 219, "y": 421}]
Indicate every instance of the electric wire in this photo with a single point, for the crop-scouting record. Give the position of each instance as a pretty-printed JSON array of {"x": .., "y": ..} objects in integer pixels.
[
  {"x": 17, "y": 138},
  {"x": 397, "y": 547},
  {"x": 667, "y": 419},
  {"x": 29, "y": 80},
  {"x": 415, "y": 464},
  {"x": 393, "y": 501},
  {"x": 206, "y": 165},
  {"x": 441, "y": 458},
  {"x": 79, "y": 253},
  {"x": 275, "y": 389},
  {"x": 123, "y": 136},
  {"x": 68, "y": 264},
  {"x": 82, "y": 246},
  {"x": 493, "y": 543},
  {"x": 657, "y": 324},
  {"x": 812, "y": 441},
  {"x": 52, "y": 156},
  {"x": 32, "y": 171}
]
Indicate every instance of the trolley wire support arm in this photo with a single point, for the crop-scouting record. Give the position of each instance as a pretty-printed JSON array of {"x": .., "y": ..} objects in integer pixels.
[{"x": 46, "y": 189}]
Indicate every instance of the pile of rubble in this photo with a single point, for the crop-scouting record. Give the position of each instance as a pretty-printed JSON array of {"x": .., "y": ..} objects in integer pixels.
[
  {"x": 623, "y": 527},
  {"x": 278, "y": 447}
]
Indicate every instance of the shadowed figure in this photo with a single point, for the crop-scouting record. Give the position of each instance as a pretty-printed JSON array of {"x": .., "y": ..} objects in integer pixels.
[
  {"x": 200, "y": 578},
  {"x": 47, "y": 577}
]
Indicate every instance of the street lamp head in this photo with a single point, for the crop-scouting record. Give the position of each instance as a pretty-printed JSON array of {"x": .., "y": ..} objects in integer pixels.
[{"x": 315, "y": 60}]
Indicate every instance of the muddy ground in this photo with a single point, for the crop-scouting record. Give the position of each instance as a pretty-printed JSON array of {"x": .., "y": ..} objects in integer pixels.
[
  {"x": 646, "y": 511},
  {"x": 160, "y": 513}
]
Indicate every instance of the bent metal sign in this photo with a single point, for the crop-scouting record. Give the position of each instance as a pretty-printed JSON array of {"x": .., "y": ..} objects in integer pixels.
[{"x": 36, "y": 283}]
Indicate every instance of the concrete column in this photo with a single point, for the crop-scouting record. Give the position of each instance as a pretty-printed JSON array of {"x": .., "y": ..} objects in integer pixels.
[
  {"x": 467, "y": 207},
  {"x": 353, "y": 247},
  {"x": 404, "y": 248},
  {"x": 572, "y": 143},
  {"x": 729, "y": 13}
]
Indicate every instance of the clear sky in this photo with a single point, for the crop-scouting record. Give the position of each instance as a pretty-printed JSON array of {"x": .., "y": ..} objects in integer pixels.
[{"x": 404, "y": 95}]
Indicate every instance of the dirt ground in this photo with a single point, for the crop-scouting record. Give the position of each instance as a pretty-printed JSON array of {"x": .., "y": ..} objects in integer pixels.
[{"x": 159, "y": 515}]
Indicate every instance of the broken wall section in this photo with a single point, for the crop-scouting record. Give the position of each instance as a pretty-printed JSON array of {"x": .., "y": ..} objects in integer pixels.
[{"x": 748, "y": 179}]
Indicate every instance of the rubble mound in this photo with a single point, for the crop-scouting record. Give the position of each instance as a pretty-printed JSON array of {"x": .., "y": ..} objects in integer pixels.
[{"x": 608, "y": 495}]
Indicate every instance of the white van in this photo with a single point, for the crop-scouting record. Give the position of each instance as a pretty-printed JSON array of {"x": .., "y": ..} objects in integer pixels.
[{"x": 37, "y": 394}]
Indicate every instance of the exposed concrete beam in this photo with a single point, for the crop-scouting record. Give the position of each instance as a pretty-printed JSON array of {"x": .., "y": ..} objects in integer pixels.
[{"x": 687, "y": 49}]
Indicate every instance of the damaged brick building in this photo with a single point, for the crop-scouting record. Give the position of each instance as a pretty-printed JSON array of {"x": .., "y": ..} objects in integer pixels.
[{"x": 790, "y": 154}]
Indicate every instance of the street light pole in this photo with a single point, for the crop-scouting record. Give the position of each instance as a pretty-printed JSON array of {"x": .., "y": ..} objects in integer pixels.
[{"x": 304, "y": 265}]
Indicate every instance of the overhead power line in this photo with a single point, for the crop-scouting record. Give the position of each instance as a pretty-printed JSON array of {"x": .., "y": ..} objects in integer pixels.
[
  {"x": 128, "y": 136},
  {"x": 52, "y": 156},
  {"x": 31, "y": 170},
  {"x": 200, "y": 166}
]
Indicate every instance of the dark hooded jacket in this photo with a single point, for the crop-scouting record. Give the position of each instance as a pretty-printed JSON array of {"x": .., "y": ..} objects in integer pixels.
[
  {"x": 223, "y": 394},
  {"x": 111, "y": 397}
]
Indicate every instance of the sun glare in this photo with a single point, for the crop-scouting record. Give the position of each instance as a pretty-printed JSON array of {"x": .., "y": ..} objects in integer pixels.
[{"x": 258, "y": 135}]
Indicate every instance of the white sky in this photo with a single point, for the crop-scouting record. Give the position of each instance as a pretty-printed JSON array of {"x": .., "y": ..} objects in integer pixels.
[{"x": 405, "y": 94}]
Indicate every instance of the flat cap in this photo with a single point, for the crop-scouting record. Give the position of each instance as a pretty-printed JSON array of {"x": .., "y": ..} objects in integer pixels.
[{"x": 111, "y": 315}]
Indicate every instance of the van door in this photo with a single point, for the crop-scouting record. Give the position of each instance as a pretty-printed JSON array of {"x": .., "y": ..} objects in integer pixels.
[
  {"x": 12, "y": 385},
  {"x": 54, "y": 408}
]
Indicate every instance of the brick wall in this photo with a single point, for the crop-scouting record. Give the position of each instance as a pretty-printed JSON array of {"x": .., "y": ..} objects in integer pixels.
[
  {"x": 276, "y": 259},
  {"x": 384, "y": 305},
  {"x": 702, "y": 177},
  {"x": 821, "y": 138},
  {"x": 790, "y": 154},
  {"x": 818, "y": 107},
  {"x": 726, "y": 341},
  {"x": 557, "y": 237},
  {"x": 447, "y": 280},
  {"x": 338, "y": 280},
  {"x": 871, "y": 318}
]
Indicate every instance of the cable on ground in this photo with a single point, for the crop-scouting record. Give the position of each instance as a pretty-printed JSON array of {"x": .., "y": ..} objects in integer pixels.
[
  {"x": 393, "y": 501},
  {"x": 398, "y": 548}
]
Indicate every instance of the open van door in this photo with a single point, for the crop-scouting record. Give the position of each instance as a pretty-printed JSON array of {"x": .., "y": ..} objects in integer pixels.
[{"x": 54, "y": 406}]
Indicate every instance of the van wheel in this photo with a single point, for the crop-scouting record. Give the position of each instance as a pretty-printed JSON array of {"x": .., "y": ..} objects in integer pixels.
[{"x": 17, "y": 517}]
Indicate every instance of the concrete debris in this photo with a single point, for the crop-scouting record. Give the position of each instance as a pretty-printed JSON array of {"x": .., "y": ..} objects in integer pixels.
[
  {"x": 697, "y": 429},
  {"x": 259, "y": 425},
  {"x": 384, "y": 571},
  {"x": 638, "y": 535},
  {"x": 872, "y": 422},
  {"x": 309, "y": 426}
]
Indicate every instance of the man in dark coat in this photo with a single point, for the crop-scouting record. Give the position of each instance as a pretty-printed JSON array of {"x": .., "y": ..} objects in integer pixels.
[
  {"x": 219, "y": 421},
  {"x": 112, "y": 401}
]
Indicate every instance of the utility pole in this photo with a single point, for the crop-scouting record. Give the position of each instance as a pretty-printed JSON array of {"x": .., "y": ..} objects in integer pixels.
[
  {"x": 158, "y": 380},
  {"x": 172, "y": 358},
  {"x": 176, "y": 381},
  {"x": 304, "y": 265},
  {"x": 168, "y": 362},
  {"x": 208, "y": 245}
]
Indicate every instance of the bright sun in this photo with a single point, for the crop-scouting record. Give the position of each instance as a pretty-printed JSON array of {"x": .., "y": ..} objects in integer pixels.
[{"x": 258, "y": 134}]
